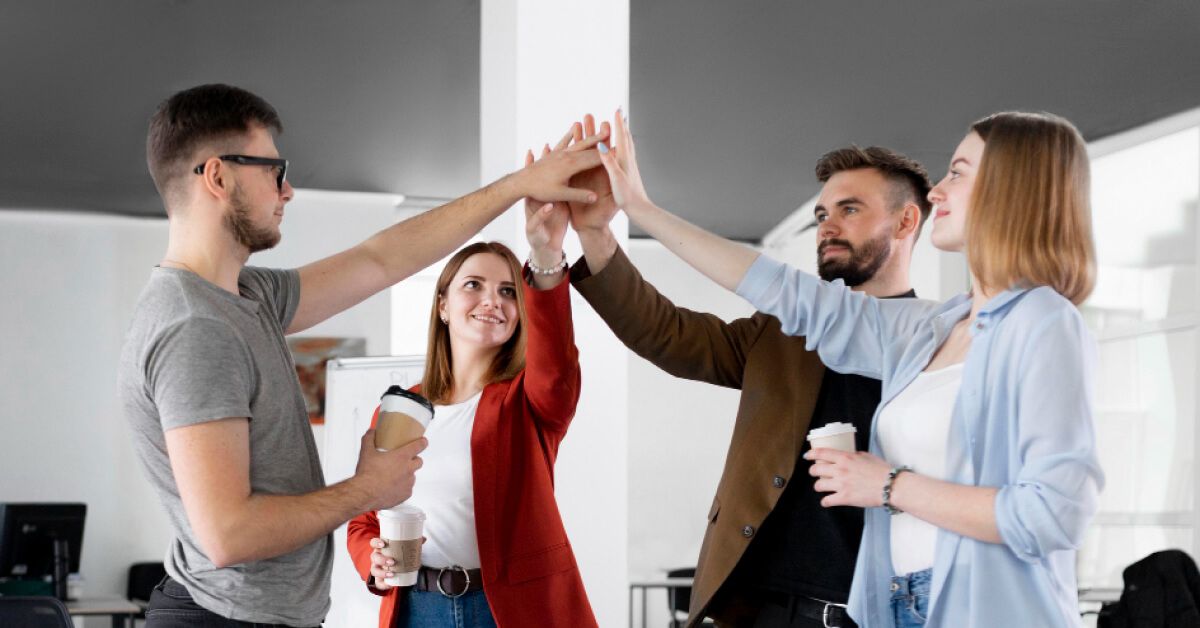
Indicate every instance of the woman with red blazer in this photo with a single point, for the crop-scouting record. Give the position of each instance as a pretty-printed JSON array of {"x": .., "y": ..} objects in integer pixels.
[{"x": 503, "y": 373}]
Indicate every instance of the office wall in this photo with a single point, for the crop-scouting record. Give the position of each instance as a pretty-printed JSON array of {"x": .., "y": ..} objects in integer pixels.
[
  {"x": 679, "y": 432},
  {"x": 70, "y": 281}
]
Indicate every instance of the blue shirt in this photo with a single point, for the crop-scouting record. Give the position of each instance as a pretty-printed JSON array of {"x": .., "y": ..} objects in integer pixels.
[{"x": 1022, "y": 423}]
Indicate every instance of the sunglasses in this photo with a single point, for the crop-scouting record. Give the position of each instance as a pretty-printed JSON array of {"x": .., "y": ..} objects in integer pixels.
[{"x": 280, "y": 165}]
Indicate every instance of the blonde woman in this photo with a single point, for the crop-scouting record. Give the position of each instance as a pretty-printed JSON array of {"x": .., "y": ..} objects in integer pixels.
[{"x": 982, "y": 473}]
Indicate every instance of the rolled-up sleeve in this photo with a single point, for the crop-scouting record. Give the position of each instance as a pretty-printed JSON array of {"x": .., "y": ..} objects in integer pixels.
[{"x": 1048, "y": 507}]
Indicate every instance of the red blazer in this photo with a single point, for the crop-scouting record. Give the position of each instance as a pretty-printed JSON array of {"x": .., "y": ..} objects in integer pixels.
[{"x": 529, "y": 573}]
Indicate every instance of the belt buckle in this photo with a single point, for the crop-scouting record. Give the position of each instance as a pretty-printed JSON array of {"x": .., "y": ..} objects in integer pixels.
[
  {"x": 452, "y": 569},
  {"x": 825, "y": 613}
]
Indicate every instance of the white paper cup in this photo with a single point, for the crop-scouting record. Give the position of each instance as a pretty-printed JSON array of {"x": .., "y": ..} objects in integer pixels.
[
  {"x": 833, "y": 436},
  {"x": 401, "y": 528}
]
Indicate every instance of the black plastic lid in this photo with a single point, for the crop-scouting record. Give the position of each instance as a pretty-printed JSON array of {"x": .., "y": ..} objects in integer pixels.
[{"x": 397, "y": 390}]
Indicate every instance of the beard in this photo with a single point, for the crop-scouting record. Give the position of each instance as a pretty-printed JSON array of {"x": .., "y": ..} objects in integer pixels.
[
  {"x": 862, "y": 263},
  {"x": 243, "y": 229}
]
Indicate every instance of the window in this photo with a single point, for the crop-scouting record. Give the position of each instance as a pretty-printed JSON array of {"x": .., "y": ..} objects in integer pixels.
[{"x": 1145, "y": 194}]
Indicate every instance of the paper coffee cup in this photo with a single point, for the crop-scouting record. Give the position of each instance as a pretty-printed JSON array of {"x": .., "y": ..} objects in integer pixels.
[
  {"x": 401, "y": 528},
  {"x": 833, "y": 436},
  {"x": 403, "y": 417}
]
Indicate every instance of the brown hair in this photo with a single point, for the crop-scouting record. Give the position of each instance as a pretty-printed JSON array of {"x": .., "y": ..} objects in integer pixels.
[
  {"x": 910, "y": 181},
  {"x": 438, "y": 382},
  {"x": 193, "y": 117},
  {"x": 1030, "y": 217}
]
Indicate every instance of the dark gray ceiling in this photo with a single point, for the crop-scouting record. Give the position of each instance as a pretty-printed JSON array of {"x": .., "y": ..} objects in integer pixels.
[
  {"x": 375, "y": 95},
  {"x": 732, "y": 102}
]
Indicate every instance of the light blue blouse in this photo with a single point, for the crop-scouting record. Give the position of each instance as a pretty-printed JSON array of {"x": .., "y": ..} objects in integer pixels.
[{"x": 1022, "y": 423}]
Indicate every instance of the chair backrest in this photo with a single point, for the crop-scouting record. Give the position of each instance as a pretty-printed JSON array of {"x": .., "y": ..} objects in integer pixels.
[
  {"x": 683, "y": 595},
  {"x": 34, "y": 612},
  {"x": 143, "y": 577}
]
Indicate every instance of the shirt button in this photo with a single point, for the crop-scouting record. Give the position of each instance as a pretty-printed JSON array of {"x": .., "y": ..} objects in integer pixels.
[
  {"x": 978, "y": 325},
  {"x": 895, "y": 587},
  {"x": 748, "y": 531},
  {"x": 778, "y": 481}
]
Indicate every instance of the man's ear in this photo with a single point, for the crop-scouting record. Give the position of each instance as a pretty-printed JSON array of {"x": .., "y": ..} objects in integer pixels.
[
  {"x": 215, "y": 179},
  {"x": 910, "y": 221}
]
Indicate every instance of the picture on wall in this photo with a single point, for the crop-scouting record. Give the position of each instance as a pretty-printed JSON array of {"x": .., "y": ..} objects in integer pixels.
[{"x": 310, "y": 355}]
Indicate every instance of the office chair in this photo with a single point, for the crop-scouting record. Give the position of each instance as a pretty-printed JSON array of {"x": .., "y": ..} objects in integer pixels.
[
  {"x": 680, "y": 598},
  {"x": 34, "y": 612},
  {"x": 143, "y": 577}
]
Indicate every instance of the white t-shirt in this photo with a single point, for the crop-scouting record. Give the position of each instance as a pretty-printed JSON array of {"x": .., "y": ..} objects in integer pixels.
[
  {"x": 914, "y": 429},
  {"x": 444, "y": 489}
]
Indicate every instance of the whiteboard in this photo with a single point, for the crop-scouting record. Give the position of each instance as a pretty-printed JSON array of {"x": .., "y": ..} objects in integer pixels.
[{"x": 353, "y": 387}]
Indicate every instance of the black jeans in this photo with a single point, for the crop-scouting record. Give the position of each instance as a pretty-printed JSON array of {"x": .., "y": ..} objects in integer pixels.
[{"x": 171, "y": 606}]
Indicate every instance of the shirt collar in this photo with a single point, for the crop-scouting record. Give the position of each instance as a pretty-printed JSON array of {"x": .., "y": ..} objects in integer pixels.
[{"x": 959, "y": 308}]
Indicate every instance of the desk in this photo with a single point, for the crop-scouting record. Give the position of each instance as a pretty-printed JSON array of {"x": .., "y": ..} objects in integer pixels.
[
  {"x": 120, "y": 609},
  {"x": 670, "y": 584}
]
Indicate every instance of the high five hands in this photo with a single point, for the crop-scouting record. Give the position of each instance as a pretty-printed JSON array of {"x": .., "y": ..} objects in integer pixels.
[{"x": 614, "y": 185}]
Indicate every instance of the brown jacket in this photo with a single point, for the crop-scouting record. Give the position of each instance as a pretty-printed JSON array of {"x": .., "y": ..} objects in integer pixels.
[{"x": 779, "y": 381}]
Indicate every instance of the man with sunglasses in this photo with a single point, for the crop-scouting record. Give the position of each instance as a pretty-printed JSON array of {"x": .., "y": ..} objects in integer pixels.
[{"x": 206, "y": 378}]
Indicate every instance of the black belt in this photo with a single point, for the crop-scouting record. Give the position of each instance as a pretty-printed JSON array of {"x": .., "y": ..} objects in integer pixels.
[
  {"x": 830, "y": 614},
  {"x": 449, "y": 581}
]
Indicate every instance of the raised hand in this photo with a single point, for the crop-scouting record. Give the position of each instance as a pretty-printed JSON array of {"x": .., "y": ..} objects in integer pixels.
[
  {"x": 620, "y": 162},
  {"x": 546, "y": 223},
  {"x": 593, "y": 216}
]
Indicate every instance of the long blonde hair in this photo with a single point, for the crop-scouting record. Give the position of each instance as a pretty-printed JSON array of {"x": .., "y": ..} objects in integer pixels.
[
  {"x": 438, "y": 382},
  {"x": 1030, "y": 218}
]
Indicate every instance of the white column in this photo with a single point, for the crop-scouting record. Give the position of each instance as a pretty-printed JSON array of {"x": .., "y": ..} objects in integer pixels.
[
  {"x": 543, "y": 64},
  {"x": 1196, "y": 358}
]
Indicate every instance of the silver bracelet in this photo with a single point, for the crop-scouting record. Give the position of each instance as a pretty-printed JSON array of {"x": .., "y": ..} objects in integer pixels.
[
  {"x": 557, "y": 268},
  {"x": 887, "y": 489}
]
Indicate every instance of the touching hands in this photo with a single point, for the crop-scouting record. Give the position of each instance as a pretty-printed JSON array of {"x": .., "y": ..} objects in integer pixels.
[
  {"x": 593, "y": 216},
  {"x": 853, "y": 479},
  {"x": 548, "y": 178}
]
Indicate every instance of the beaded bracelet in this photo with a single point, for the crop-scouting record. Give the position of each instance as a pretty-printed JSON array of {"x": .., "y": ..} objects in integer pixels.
[
  {"x": 887, "y": 489},
  {"x": 557, "y": 268}
]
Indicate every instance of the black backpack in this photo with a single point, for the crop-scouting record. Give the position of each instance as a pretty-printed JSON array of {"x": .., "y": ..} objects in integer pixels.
[{"x": 1162, "y": 590}]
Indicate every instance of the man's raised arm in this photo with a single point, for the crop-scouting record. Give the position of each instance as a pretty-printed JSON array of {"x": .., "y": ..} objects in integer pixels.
[{"x": 333, "y": 284}]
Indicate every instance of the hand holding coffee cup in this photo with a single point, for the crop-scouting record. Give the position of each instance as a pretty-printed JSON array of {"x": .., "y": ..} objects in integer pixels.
[
  {"x": 852, "y": 478},
  {"x": 387, "y": 477},
  {"x": 395, "y": 440},
  {"x": 383, "y": 567},
  {"x": 400, "y": 530}
]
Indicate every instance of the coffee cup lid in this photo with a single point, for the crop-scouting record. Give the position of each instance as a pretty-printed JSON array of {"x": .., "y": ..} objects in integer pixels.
[
  {"x": 832, "y": 429},
  {"x": 402, "y": 511},
  {"x": 407, "y": 394}
]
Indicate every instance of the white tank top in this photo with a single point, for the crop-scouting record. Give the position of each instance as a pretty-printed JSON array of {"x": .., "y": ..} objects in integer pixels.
[
  {"x": 913, "y": 429},
  {"x": 444, "y": 489}
]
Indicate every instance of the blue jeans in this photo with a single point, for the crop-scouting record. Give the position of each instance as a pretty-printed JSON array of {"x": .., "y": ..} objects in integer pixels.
[
  {"x": 910, "y": 598},
  {"x": 430, "y": 609}
]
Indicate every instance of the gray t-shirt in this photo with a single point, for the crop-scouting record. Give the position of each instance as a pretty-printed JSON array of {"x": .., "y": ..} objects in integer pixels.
[{"x": 196, "y": 353}]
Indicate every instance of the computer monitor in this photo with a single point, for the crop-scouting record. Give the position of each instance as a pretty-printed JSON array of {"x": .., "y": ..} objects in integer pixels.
[{"x": 41, "y": 541}]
